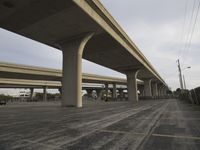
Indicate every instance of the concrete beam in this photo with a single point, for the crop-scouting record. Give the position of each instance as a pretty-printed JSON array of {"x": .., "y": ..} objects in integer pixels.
[
  {"x": 132, "y": 86},
  {"x": 72, "y": 70}
]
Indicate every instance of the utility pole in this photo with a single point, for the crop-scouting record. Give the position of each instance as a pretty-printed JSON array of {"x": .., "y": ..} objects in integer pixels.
[
  {"x": 180, "y": 75},
  {"x": 184, "y": 82}
]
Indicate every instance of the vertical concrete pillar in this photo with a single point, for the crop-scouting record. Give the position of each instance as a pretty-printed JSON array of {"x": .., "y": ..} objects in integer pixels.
[
  {"x": 44, "y": 93},
  {"x": 72, "y": 70},
  {"x": 60, "y": 90},
  {"x": 147, "y": 87},
  {"x": 165, "y": 91},
  {"x": 154, "y": 89},
  {"x": 99, "y": 93},
  {"x": 132, "y": 86},
  {"x": 114, "y": 92},
  {"x": 121, "y": 94},
  {"x": 31, "y": 94},
  {"x": 160, "y": 91},
  {"x": 89, "y": 92},
  {"x": 141, "y": 89},
  {"x": 106, "y": 90}
]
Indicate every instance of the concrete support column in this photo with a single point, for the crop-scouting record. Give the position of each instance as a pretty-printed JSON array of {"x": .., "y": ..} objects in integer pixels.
[
  {"x": 141, "y": 89},
  {"x": 89, "y": 92},
  {"x": 147, "y": 88},
  {"x": 114, "y": 91},
  {"x": 106, "y": 90},
  {"x": 132, "y": 86},
  {"x": 44, "y": 93},
  {"x": 154, "y": 89},
  {"x": 160, "y": 90},
  {"x": 60, "y": 90},
  {"x": 99, "y": 93},
  {"x": 31, "y": 94},
  {"x": 72, "y": 70},
  {"x": 121, "y": 94},
  {"x": 165, "y": 91}
]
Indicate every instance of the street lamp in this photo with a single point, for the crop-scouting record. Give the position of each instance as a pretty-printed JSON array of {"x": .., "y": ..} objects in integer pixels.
[{"x": 184, "y": 77}]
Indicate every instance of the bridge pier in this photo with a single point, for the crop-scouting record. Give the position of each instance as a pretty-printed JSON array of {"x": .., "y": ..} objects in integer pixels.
[
  {"x": 44, "y": 93},
  {"x": 106, "y": 90},
  {"x": 121, "y": 94},
  {"x": 162, "y": 91},
  {"x": 89, "y": 92},
  {"x": 147, "y": 88},
  {"x": 155, "y": 89},
  {"x": 60, "y": 90},
  {"x": 114, "y": 91},
  {"x": 99, "y": 93},
  {"x": 165, "y": 91},
  {"x": 72, "y": 70},
  {"x": 141, "y": 89},
  {"x": 31, "y": 94},
  {"x": 132, "y": 86}
]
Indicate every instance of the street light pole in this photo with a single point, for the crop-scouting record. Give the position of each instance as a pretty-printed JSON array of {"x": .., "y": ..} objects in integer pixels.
[
  {"x": 184, "y": 78},
  {"x": 184, "y": 82},
  {"x": 180, "y": 75}
]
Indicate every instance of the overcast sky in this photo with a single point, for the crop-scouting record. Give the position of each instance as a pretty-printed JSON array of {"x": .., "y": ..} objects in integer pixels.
[{"x": 157, "y": 27}]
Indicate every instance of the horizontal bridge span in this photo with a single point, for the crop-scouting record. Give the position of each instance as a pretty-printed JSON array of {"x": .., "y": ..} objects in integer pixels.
[
  {"x": 32, "y": 75},
  {"x": 65, "y": 20}
]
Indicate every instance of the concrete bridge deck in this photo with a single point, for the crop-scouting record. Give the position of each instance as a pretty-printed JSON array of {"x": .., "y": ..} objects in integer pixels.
[{"x": 150, "y": 125}]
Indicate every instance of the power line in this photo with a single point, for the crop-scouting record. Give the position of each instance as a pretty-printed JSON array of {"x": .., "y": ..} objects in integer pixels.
[
  {"x": 183, "y": 27},
  {"x": 190, "y": 35},
  {"x": 193, "y": 27},
  {"x": 189, "y": 29}
]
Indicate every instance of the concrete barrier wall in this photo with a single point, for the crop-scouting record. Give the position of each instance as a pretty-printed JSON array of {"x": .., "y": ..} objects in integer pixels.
[{"x": 192, "y": 96}]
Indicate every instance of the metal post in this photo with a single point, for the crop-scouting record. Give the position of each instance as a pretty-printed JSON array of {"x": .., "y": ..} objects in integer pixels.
[
  {"x": 184, "y": 82},
  {"x": 180, "y": 75}
]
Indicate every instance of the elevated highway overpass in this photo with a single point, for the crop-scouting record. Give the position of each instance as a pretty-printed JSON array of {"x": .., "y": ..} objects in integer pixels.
[
  {"x": 24, "y": 76},
  {"x": 80, "y": 29},
  {"x": 32, "y": 75}
]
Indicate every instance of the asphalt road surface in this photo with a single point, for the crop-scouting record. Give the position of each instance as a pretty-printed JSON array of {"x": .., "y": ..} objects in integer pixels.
[{"x": 147, "y": 125}]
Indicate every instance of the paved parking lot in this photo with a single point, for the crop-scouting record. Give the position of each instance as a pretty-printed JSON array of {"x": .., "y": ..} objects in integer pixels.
[{"x": 147, "y": 125}]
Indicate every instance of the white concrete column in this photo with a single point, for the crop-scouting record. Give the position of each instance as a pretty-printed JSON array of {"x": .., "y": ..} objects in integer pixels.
[
  {"x": 60, "y": 90},
  {"x": 161, "y": 90},
  {"x": 147, "y": 87},
  {"x": 72, "y": 70},
  {"x": 44, "y": 93},
  {"x": 106, "y": 90},
  {"x": 121, "y": 93},
  {"x": 165, "y": 91},
  {"x": 132, "y": 86},
  {"x": 99, "y": 93},
  {"x": 114, "y": 93},
  {"x": 31, "y": 94},
  {"x": 141, "y": 89},
  {"x": 155, "y": 89},
  {"x": 89, "y": 92}
]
